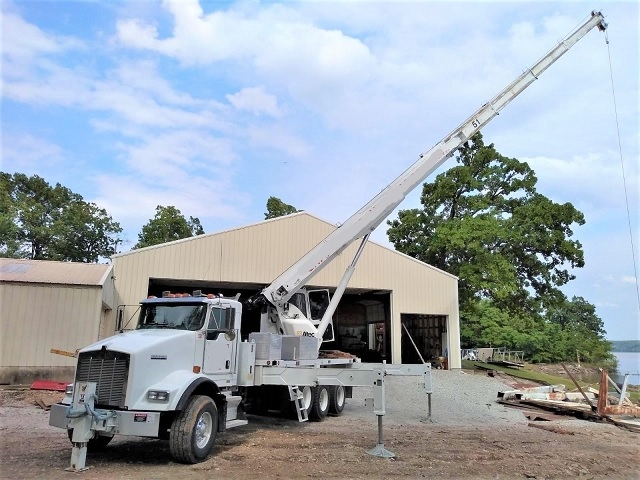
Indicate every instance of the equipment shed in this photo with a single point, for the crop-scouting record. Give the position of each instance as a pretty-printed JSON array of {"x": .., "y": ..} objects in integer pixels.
[
  {"x": 50, "y": 305},
  {"x": 387, "y": 290}
]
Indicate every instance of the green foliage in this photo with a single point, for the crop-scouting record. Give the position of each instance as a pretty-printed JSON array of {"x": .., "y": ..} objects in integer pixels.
[
  {"x": 577, "y": 314},
  {"x": 484, "y": 222},
  {"x": 570, "y": 330},
  {"x": 511, "y": 249},
  {"x": 168, "y": 225},
  {"x": 41, "y": 222},
  {"x": 277, "y": 208},
  {"x": 581, "y": 332},
  {"x": 487, "y": 325}
]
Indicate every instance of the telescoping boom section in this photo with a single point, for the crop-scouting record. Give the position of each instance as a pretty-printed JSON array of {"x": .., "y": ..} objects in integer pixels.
[{"x": 365, "y": 220}]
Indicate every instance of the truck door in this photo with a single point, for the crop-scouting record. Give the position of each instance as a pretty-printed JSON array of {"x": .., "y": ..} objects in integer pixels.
[
  {"x": 318, "y": 303},
  {"x": 220, "y": 343}
]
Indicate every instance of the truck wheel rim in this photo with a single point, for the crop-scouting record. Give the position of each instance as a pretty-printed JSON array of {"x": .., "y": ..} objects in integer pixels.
[
  {"x": 204, "y": 427},
  {"x": 340, "y": 396},
  {"x": 306, "y": 396},
  {"x": 324, "y": 399}
]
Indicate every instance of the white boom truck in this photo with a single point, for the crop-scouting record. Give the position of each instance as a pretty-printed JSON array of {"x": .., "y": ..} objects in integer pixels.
[{"x": 184, "y": 374}]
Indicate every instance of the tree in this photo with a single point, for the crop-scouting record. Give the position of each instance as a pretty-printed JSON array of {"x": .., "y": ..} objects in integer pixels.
[
  {"x": 484, "y": 222},
  {"x": 577, "y": 313},
  {"x": 277, "y": 208},
  {"x": 168, "y": 225},
  {"x": 581, "y": 331},
  {"x": 41, "y": 222}
]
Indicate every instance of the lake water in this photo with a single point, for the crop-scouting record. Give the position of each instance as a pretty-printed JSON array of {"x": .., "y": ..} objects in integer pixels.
[{"x": 628, "y": 362}]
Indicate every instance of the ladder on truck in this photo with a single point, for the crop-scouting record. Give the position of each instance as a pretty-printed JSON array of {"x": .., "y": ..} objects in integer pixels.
[{"x": 296, "y": 396}]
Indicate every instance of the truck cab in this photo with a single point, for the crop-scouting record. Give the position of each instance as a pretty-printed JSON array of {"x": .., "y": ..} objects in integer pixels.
[
  {"x": 183, "y": 347},
  {"x": 213, "y": 323}
]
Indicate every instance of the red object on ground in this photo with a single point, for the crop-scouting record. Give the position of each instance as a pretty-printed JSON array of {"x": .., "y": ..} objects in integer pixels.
[{"x": 48, "y": 385}]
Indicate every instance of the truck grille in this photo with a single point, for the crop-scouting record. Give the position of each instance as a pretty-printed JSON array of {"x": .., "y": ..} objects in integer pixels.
[{"x": 110, "y": 371}]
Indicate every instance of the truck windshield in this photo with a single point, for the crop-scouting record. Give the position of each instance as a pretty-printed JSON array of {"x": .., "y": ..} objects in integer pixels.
[{"x": 181, "y": 317}]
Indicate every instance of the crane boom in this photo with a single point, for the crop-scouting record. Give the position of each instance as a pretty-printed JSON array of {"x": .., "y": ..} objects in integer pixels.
[{"x": 365, "y": 220}]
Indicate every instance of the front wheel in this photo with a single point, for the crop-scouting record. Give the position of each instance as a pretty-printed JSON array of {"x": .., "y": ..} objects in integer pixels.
[{"x": 194, "y": 430}]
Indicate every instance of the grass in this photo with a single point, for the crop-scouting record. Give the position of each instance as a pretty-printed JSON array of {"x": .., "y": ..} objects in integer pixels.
[{"x": 525, "y": 374}]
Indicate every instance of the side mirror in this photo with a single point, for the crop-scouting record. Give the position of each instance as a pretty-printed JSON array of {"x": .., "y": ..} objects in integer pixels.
[{"x": 230, "y": 335}]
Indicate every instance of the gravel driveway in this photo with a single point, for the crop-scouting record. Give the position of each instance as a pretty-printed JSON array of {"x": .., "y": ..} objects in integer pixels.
[{"x": 459, "y": 399}]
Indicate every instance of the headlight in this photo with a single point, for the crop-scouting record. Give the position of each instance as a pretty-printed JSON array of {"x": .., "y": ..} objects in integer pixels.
[
  {"x": 158, "y": 395},
  {"x": 68, "y": 394}
]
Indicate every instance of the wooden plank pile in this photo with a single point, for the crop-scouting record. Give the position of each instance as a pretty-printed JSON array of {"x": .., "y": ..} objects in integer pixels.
[{"x": 594, "y": 405}]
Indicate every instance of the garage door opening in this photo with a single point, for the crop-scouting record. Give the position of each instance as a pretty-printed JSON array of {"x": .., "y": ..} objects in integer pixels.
[
  {"x": 362, "y": 324},
  {"x": 429, "y": 332}
]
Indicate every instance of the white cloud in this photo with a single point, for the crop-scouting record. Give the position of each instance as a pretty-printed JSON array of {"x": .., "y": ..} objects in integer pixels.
[
  {"x": 311, "y": 63},
  {"x": 177, "y": 154},
  {"x": 132, "y": 200},
  {"x": 134, "y": 92},
  {"x": 256, "y": 101},
  {"x": 606, "y": 305},
  {"x": 26, "y": 153},
  {"x": 22, "y": 40},
  {"x": 278, "y": 138},
  {"x": 627, "y": 279},
  {"x": 592, "y": 182}
]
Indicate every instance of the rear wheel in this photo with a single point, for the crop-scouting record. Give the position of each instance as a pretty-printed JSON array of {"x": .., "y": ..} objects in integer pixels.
[
  {"x": 319, "y": 403},
  {"x": 96, "y": 443},
  {"x": 337, "y": 399},
  {"x": 194, "y": 430}
]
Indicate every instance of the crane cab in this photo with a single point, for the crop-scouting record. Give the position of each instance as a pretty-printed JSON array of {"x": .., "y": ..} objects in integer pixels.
[{"x": 300, "y": 316}]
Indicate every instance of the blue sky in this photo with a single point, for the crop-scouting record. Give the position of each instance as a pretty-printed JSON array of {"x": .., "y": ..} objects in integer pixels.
[{"x": 214, "y": 106}]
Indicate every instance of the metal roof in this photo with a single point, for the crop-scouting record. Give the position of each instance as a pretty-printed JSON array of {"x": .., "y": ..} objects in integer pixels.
[{"x": 61, "y": 273}]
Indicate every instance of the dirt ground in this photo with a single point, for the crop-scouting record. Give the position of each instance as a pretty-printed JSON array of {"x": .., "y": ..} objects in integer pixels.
[{"x": 273, "y": 447}]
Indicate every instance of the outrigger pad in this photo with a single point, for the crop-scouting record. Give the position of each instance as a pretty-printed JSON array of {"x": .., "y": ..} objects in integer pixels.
[{"x": 380, "y": 451}]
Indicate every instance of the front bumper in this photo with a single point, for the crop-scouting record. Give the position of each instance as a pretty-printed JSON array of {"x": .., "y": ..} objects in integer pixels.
[{"x": 141, "y": 424}]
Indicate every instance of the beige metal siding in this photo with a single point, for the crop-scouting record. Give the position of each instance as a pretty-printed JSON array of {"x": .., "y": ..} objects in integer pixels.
[
  {"x": 44, "y": 271},
  {"x": 259, "y": 253},
  {"x": 37, "y": 318}
]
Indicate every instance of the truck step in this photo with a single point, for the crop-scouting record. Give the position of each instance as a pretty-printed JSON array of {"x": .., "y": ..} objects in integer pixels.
[
  {"x": 236, "y": 423},
  {"x": 297, "y": 398}
]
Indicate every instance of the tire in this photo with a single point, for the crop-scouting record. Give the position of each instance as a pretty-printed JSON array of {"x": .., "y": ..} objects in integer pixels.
[
  {"x": 320, "y": 403},
  {"x": 96, "y": 443},
  {"x": 337, "y": 399},
  {"x": 194, "y": 430}
]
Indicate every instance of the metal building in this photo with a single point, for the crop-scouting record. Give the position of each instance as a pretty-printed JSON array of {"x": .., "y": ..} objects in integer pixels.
[
  {"x": 50, "y": 305},
  {"x": 387, "y": 290}
]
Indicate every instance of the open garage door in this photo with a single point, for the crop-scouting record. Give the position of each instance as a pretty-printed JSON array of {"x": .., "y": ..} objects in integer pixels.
[
  {"x": 363, "y": 326},
  {"x": 429, "y": 332}
]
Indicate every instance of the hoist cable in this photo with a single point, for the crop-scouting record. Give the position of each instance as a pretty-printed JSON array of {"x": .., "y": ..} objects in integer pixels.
[{"x": 624, "y": 179}]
